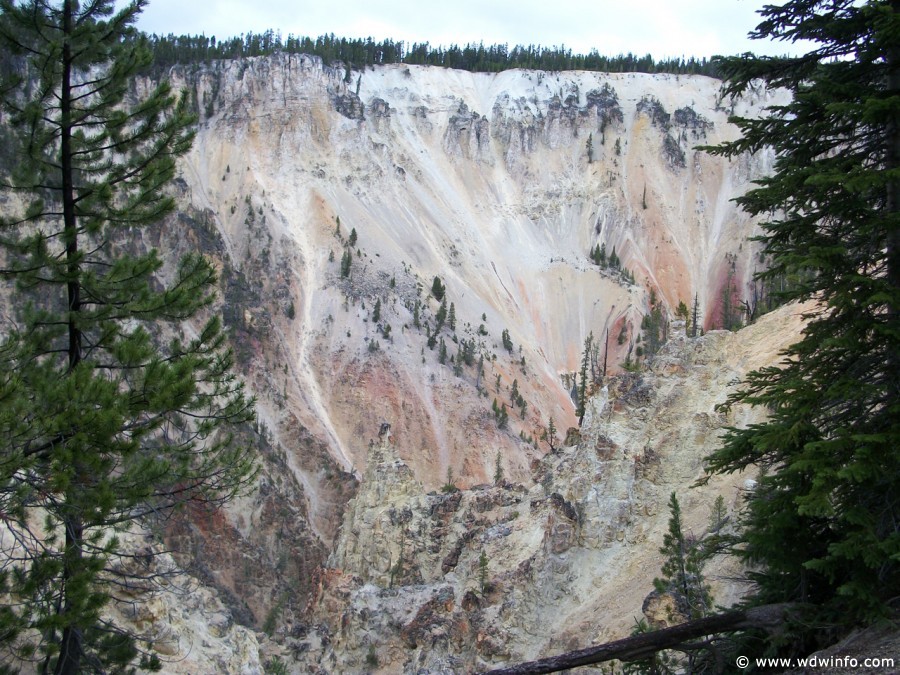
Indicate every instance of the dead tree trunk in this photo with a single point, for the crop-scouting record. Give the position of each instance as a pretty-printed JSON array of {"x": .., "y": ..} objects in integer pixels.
[{"x": 646, "y": 644}]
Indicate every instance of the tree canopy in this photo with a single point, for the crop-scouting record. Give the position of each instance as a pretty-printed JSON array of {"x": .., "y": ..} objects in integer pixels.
[
  {"x": 823, "y": 524},
  {"x": 363, "y": 52},
  {"x": 113, "y": 409}
]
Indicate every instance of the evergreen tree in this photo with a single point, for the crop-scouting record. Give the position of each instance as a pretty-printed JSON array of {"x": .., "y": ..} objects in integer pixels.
[
  {"x": 467, "y": 348},
  {"x": 438, "y": 289},
  {"x": 502, "y": 417},
  {"x": 655, "y": 325},
  {"x": 441, "y": 315},
  {"x": 683, "y": 580},
  {"x": 107, "y": 416},
  {"x": 451, "y": 317},
  {"x": 731, "y": 319},
  {"x": 831, "y": 447},
  {"x": 695, "y": 316},
  {"x": 583, "y": 376},
  {"x": 614, "y": 261},
  {"x": 683, "y": 567},
  {"x": 506, "y": 340},
  {"x": 551, "y": 434}
]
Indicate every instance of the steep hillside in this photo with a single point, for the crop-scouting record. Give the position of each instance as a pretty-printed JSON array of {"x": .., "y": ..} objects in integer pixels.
[
  {"x": 462, "y": 581},
  {"x": 412, "y": 246},
  {"x": 484, "y": 181},
  {"x": 465, "y": 580}
]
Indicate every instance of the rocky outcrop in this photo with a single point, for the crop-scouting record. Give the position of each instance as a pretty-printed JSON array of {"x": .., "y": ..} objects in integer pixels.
[
  {"x": 350, "y": 106},
  {"x": 689, "y": 118},
  {"x": 468, "y": 135},
  {"x": 461, "y": 580}
]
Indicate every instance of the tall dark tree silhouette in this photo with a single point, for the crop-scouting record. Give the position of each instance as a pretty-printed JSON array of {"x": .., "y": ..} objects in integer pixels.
[
  {"x": 112, "y": 409},
  {"x": 823, "y": 524}
]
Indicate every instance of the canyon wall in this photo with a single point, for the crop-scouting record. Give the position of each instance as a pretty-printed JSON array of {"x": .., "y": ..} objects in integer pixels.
[
  {"x": 483, "y": 180},
  {"x": 378, "y": 535}
]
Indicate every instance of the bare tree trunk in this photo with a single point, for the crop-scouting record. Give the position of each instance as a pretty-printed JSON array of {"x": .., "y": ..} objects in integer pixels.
[
  {"x": 71, "y": 647},
  {"x": 645, "y": 645}
]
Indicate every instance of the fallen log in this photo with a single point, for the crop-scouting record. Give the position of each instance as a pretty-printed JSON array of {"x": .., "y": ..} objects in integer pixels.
[{"x": 645, "y": 645}]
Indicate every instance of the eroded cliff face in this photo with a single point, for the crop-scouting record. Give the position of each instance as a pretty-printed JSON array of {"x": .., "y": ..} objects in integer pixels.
[
  {"x": 330, "y": 204},
  {"x": 458, "y": 581},
  {"x": 484, "y": 180}
]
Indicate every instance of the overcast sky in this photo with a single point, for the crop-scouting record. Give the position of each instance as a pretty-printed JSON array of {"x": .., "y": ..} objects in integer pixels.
[{"x": 663, "y": 28}]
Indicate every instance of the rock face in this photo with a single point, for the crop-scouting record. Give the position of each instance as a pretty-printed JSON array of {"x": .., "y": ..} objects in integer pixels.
[
  {"x": 329, "y": 209},
  {"x": 462, "y": 580},
  {"x": 332, "y": 198}
]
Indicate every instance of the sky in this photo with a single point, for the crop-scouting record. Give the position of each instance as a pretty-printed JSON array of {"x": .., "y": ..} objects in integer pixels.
[{"x": 663, "y": 28}]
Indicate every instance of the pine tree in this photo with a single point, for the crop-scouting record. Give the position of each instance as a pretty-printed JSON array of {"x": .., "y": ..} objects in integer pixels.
[
  {"x": 695, "y": 316},
  {"x": 831, "y": 446},
  {"x": 583, "y": 378},
  {"x": 503, "y": 417},
  {"x": 683, "y": 567},
  {"x": 506, "y": 340},
  {"x": 551, "y": 434},
  {"x": 107, "y": 416},
  {"x": 438, "y": 289},
  {"x": 441, "y": 316}
]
